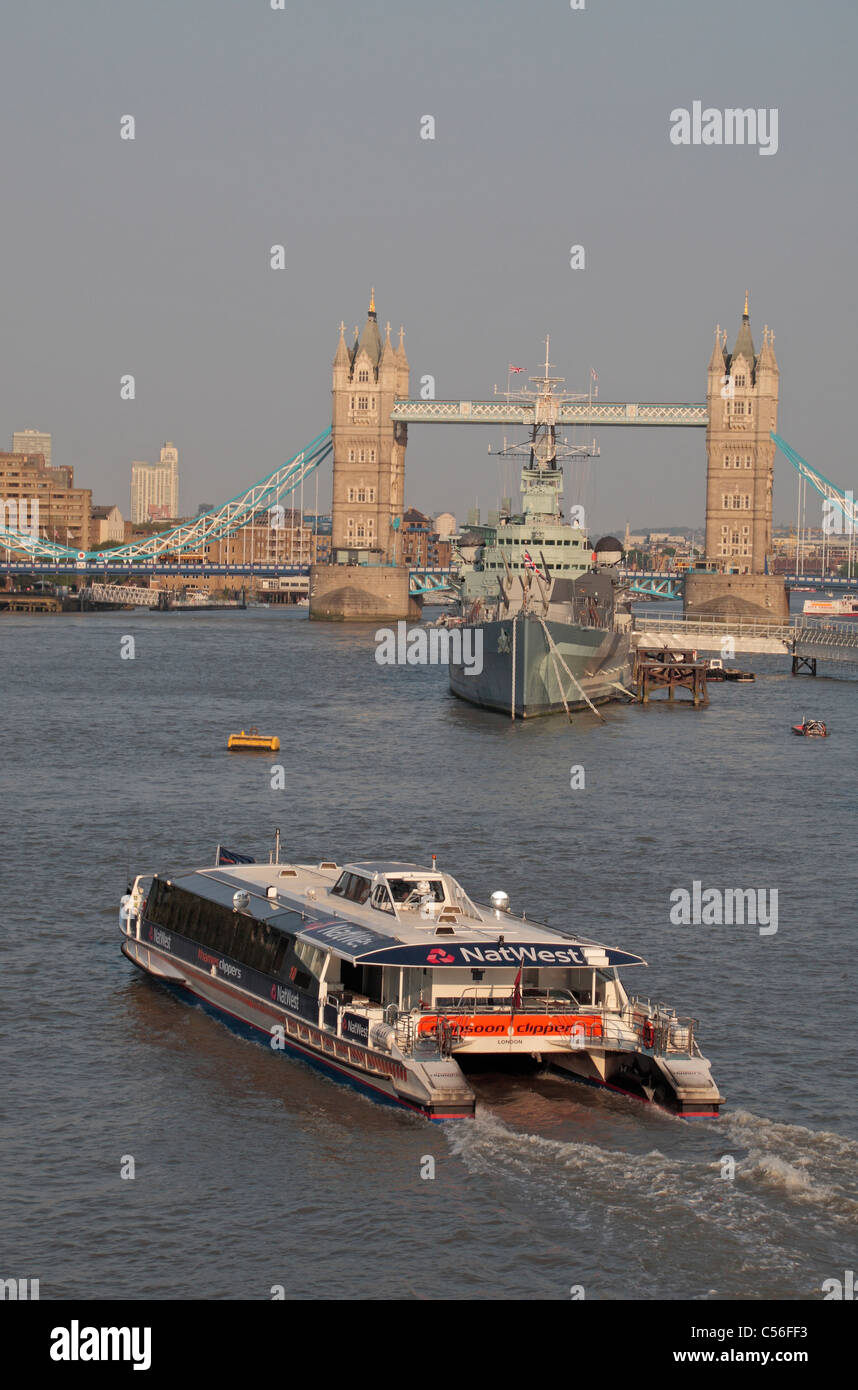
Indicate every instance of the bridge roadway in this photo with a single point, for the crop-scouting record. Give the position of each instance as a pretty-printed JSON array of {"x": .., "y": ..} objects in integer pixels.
[
  {"x": 662, "y": 584},
  {"x": 126, "y": 568},
  {"x": 425, "y": 580}
]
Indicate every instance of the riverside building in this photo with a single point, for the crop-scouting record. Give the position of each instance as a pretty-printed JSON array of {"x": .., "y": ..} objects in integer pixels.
[{"x": 64, "y": 511}]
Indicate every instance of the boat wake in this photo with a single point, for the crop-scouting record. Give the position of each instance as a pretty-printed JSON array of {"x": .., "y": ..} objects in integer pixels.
[
  {"x": 812, "y": 1166},
  {"x": 783, "y": 1223}
]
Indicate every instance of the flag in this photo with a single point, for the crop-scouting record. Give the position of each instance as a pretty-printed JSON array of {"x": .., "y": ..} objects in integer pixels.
[
  {"x": 229, "y": 856},
  {"x": 530, "y": 564},
  {"x": 516, "y": 990},
  {"x": 515, "y": 369},
  {"x": 594, "y": 374}
]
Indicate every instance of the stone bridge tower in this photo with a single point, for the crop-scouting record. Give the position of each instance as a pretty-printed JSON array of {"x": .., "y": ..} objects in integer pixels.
[
  {"x": 362, "y": 583},
  {"x": 369, "y": 449},
  {"x": 742, "y": 403}
]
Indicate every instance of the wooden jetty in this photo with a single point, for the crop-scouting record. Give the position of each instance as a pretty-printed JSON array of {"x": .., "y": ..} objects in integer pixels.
[
  {"x": 666, "y": 668},
  {"x": 20, "y": 601}
]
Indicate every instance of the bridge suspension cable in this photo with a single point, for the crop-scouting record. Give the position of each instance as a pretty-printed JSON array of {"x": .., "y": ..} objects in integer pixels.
[
  {"x": 842, "y": 515},
  {"x": 843, "y": 500},
  {"x": 192, "y": 535}
]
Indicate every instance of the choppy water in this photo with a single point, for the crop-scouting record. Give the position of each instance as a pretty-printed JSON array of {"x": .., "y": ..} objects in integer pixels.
[{"x": 253, "y": 1170}]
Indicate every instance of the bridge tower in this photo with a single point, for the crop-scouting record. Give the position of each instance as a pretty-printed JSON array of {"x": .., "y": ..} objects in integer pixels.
[
  {"x": 362, "y": 583},
  {"x": 742, "y": 402},
  {"x": 369, "y": 448},
  {"x": 742, "y": 406}
]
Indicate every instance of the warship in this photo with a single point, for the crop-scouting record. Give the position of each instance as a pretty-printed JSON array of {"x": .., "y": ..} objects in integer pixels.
[{"x": 548, "y": 613}]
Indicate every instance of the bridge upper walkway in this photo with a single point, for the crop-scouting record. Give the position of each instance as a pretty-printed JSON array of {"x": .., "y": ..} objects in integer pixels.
[{"x": 527, "y": 413}]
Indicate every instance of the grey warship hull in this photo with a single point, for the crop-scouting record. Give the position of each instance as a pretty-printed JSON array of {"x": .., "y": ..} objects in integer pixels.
[{"x": 598, "y": 662}]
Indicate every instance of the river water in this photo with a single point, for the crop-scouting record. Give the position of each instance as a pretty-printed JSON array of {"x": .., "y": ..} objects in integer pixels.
[{"x": 252, "y": 1170}]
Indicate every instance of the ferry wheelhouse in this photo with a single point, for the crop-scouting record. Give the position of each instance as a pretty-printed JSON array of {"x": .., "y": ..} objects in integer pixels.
[{"x": 389, "y": 977}]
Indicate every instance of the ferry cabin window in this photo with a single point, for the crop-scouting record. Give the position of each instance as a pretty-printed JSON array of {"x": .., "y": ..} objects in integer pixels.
[
  {"x": 218, "y": 928},
  {"x": 381, "y": 899},
  {"x": 402, "y": 888},
  {"x": 353, "y": 887},
  {"x": 312, "y": 956}
]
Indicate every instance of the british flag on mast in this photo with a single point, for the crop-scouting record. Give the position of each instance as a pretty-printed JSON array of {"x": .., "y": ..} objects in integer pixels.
[
  {"x": 510, "y": 371},
  {"x": 530, "y": 564}
]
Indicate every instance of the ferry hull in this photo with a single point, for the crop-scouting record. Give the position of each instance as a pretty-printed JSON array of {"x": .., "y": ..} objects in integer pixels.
[
  {"x": 692, "y": 1110},
  {"x": 682, "y": 1086},
  {"x": 599, "y": 661},
  {"x": 254, "y": 1021}
]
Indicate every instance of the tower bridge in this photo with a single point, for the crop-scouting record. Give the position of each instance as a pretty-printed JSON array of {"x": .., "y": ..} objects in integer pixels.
[{"x": 367, "y": 441}]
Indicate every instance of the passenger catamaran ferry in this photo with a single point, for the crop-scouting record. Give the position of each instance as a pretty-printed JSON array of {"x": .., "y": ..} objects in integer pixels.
[{"x": 388, "y": 976}]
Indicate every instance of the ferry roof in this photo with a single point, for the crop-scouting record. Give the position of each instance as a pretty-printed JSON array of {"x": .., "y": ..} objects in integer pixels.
[{"x": 363, "y": 935}]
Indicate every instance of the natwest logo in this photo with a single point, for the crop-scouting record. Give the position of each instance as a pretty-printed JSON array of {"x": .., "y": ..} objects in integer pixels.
[
  {"x": 438, "y": 956},
  {"x": 289, "y": 997}
]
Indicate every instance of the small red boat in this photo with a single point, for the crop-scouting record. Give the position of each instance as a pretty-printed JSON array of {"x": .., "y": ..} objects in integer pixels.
[{"x": 811, "y": 728}]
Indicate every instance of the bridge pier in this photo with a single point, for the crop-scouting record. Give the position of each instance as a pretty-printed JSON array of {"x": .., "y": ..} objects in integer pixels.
[
  {"x": 361, "y": 593},
  {"x": 724, "y": 595}
]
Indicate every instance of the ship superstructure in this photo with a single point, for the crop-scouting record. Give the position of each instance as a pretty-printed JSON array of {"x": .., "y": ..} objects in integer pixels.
[{"x": 553, "y": 623}]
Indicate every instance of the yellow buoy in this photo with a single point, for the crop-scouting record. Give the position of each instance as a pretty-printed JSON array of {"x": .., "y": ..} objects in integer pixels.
[{"x": 253, "y": 739}]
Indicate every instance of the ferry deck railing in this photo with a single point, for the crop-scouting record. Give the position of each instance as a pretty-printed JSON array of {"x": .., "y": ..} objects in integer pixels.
[{"x": 639, "y": 1026}]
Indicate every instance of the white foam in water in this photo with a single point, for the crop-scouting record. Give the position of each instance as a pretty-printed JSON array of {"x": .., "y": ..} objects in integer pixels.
[
  {"x": 810, "y": 1166},
  {"x": 797, "y": 1136},
  {"x": 751, "y": 1220}
]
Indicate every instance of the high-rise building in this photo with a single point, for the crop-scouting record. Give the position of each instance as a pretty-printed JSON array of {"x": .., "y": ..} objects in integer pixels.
[
  {"x": 170, "y": 463},
  {"x": 368, "y": 447},
  {"x": 742, "y": 401},
  {"x": 32, "y": 442},
  {"x": 155, "y": 487}
]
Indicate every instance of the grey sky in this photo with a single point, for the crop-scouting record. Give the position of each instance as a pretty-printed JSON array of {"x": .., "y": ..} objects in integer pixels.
[{"x": 302, "y": 127}]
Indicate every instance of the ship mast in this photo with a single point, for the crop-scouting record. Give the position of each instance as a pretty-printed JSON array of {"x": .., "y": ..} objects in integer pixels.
[{"x": 542, "y": 473}]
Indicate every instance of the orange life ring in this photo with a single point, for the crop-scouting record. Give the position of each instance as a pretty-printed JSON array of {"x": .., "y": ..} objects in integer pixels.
[{"x": 647, "y": 1033}]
